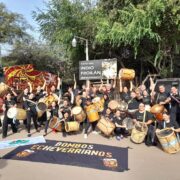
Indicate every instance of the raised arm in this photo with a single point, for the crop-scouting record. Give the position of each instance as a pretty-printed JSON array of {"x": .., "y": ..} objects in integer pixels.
[{"x": 30, "y": 87}]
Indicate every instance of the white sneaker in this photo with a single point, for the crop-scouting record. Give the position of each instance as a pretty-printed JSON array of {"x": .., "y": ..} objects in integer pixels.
[
  {"x": 85, "y": 136},
  {"x": 95, "y": 132}
]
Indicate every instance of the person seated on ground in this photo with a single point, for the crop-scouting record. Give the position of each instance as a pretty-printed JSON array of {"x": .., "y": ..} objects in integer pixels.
[
  {"x": 108, "y": 114},
  {"x": 120, "y": 130},
  {"x": 66, "y": 118},
  {"x": 65, "y": 107}
]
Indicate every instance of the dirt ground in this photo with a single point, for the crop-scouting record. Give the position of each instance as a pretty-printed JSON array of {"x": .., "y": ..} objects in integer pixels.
[{"x": 145, "y": 163}]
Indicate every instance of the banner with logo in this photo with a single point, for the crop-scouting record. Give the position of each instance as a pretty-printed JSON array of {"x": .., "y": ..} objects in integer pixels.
[{"x": 74, "y": 153}]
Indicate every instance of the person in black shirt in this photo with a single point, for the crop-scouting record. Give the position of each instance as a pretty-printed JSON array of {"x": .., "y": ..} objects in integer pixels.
[
  {"x": 8, "y": 103},
  {"x": 65, "y": 107},
  {"x": 120, "y": 129},
  {"x": 161, "y": 97},
  {"x": 108, "y": 114},
  {"x": 133, "y": 104},
  {"x": 146, "y": 100},
  {"x": 30, "y": 106},
  {"x": 142, "y": 115},
  {"x": 147, "y": 119},
  {"x": 165, "y": 123},
  {"x": 174, "y": 100}
]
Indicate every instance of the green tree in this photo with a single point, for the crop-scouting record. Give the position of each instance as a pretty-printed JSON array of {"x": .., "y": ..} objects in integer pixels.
[
  {"x": 136, "y": 32},
  {"x": 12, "y": 26}
]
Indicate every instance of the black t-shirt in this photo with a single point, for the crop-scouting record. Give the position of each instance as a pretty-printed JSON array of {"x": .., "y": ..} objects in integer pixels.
[
  {"x": 134, "y": 104},
  {"x": 9, "y": 104},
  {"x": 146, "y": 100},
  {"x": 160, "y": 97},
  {"x": 140, "y": 116},
  {"x": 118, "y": 120},
  {"x": 174, "y": 102},
  {"x": 54, "y": 112},
  {"x": 125, "y": 96},
  {"x": 163, "y": 124},
  {"x": 39, "y": 95}
]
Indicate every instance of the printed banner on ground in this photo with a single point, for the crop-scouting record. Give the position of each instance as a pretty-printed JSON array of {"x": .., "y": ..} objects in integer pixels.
[
  {"x": 21, "y": 142},
  {"x": 74, "y": 153}
]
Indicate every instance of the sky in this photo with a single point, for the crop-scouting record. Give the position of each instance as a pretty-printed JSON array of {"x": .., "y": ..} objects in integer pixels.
[{"x": 25, "y": 7}]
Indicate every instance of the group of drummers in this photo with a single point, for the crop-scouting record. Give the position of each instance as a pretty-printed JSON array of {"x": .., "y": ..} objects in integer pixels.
[{"x": 98, "y": 109}]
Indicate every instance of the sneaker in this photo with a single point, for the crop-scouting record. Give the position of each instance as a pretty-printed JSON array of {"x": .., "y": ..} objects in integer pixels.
[
  {"x": 95, "y": 132},
  {"x": 122, "y": 136},
  {"x": 29, "y": 135},
  {"x": 118, "y": 138},
  {"x": 85, "y": 136}
]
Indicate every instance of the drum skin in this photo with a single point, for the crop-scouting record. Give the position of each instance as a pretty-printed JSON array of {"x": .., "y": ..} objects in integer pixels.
[
  {"x": 113, "y": 105},
  {"x": 126, "y": 74},
  {"x": 79, "y": 114},
  {"x": 168, "y": 140},
  {"x": 139, "y": 133},
  {"x": 92, "y": 113},
  {"x": 106, "y": 126},
  {"x": 17, "y": 113},
  {"x": 157, "y": 108},
  {"x": 41, "y": 108},
  {"x": 99, "y": 103}
]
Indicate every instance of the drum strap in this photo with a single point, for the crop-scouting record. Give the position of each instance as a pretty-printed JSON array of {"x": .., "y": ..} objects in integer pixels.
[{"x": 144, "y": 116}]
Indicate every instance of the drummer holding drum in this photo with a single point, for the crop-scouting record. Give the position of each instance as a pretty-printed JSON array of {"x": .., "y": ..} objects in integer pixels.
[
  {"x": 8, "y": 103},
  {"x": 30, "y": 106}
]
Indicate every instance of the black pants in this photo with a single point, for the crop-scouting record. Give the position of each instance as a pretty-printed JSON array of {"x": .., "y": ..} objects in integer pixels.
[
  {"x": 7, "y": 121},
  {"x": 120, "y": 131},
  {"x": 173, "y": 117},
  {"x": 33, "y": 115},
  {"x": 88, "y": 124}
]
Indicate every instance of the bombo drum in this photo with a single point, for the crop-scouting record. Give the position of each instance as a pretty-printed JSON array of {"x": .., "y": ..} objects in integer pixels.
[
  {"x": 92, "y": 113},
  {"x": 113, "y": 105},
  {"x": 168, "y": 140},
  {"x": 106, "y": 126},
  {"x": 55, "y": 123},
  {"x": 126, "y": 74},
  {"x": 157, "y": 108},
  {"x": 99, "y": 103},
  {"x": 72, "y": 126},
  {"x": 16, "y": 113},
  {"x": 41, "y": 108},
  {"x": 3, "y": 89},
  {"x": 79, "y": 114},
  {"x": 139, "y": 132}
]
